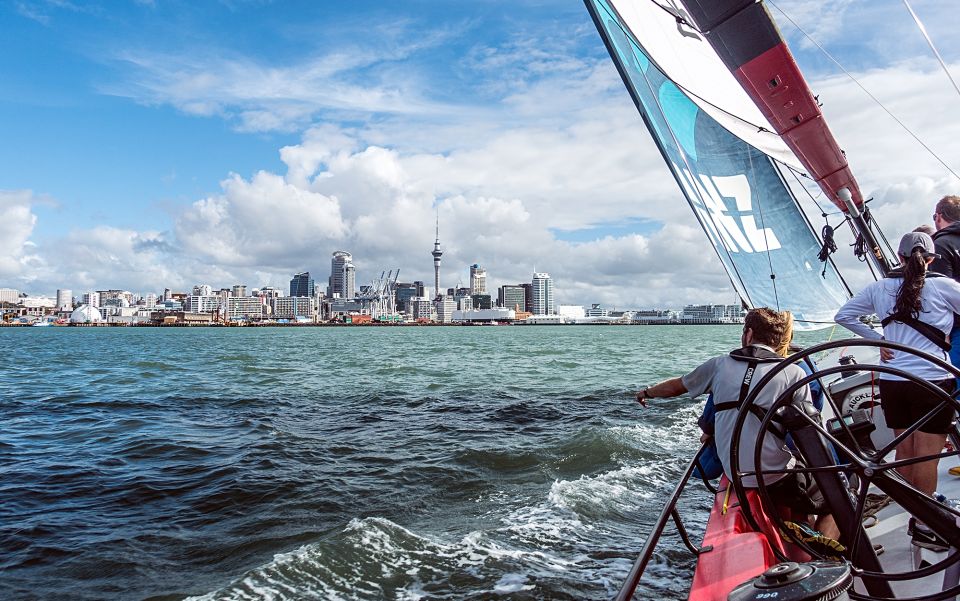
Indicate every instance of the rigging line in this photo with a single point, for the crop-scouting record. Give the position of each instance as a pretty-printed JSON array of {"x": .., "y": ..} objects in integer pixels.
[
  {"x": 867, "y": 92},
  {"x": 683, "y": 21},
  {"x": 766, "y": 242},
  {"x": 672, "y": 166},
  {"x": 926, "y": 36}
]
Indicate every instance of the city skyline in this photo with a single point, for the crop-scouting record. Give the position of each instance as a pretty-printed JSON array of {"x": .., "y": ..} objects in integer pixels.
[{"x": 144, "y": 146}]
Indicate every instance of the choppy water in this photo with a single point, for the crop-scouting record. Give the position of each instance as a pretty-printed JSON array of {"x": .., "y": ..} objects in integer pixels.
[{"x": 341, "y": 463}]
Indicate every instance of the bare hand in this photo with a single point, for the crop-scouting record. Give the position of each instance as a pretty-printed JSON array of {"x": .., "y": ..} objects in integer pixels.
[
  {"x": 641, "y": 400},
  {"x": 886, "y": 355},
  {"x": 705, "y": 437}
]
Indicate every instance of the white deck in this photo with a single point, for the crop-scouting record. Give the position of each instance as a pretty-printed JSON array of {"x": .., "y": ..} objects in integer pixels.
[{"x": 899, "y": 554}]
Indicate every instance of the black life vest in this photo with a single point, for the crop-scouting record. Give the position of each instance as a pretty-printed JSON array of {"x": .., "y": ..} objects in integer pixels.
[{"x": 752, "y": 356}]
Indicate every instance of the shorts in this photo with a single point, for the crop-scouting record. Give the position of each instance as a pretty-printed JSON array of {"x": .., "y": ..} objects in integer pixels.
[
  {"x": 905, "y": 402},
  {"x": 797, "y": 491}
]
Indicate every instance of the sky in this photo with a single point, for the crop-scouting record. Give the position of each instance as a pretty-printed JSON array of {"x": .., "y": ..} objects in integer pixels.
[{"x": 151, "y": 144}]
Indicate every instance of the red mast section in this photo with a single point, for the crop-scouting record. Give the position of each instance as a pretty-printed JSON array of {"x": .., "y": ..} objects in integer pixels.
[{"x": 750, "y": 45}]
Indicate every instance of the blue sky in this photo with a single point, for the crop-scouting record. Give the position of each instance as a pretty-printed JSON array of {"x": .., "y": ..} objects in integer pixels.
[{"x": 165, "y": 143}]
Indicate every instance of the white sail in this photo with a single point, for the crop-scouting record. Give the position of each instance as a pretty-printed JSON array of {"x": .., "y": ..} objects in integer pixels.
[{"x": 691, "y": 63}]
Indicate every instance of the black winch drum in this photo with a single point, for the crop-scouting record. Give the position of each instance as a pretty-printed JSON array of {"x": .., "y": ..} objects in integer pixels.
[{"x": 791, "y": 581}]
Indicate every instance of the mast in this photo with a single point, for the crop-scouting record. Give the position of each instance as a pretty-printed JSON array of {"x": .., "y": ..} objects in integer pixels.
[{"x": 748, "y": 42}]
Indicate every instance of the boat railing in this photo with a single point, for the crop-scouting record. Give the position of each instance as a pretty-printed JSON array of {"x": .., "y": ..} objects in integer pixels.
[{"x": 669, "y": 511}]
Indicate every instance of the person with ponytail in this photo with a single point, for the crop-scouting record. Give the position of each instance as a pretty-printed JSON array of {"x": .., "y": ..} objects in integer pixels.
[{"x": 916, "y": 307}]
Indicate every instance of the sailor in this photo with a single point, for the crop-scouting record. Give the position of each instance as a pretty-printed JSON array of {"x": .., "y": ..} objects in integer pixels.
[
  {"x": 918, "y": 311},
  {"x": 730, "y": 378},
  {"x": 946, "y": 243}
]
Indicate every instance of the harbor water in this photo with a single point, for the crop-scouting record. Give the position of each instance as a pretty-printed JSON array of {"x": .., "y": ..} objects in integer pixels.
[{"x": 344, "y": 463}]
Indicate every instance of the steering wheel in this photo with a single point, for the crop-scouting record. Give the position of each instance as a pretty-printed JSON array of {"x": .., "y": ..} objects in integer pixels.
[{"x": 871, "y": 467}]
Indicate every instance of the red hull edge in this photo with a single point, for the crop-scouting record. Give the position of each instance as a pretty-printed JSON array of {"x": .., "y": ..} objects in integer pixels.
[{"x": 738, "y": 553}]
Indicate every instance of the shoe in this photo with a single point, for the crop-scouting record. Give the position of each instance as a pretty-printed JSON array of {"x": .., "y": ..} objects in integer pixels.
[
  {"x": 818, "y": 543},
  {"x": 928, "y": 539},
  {"x": 954, "y": 471},
  {"x": 910, "y": 526}
]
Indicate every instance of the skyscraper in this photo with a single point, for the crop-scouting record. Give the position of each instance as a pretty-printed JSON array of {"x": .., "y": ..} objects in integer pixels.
[
  {"x": 342, "y": 275},
  {"x": 512, "y": 297},
  {"x": 302, "y": 285},
  {"x": 478, "y": 279},
  {"x": 543, "y": 294},
  {"x": 437, "y": 253}
]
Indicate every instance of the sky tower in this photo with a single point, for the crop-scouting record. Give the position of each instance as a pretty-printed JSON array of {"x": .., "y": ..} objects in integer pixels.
[{"x": 437, "y": 253}]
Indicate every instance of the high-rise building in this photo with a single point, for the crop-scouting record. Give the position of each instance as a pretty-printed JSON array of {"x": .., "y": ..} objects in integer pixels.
[
  {"x": 202, "y": 290},
  {"x": 64, "y": 300},
  {"x": 244, "y": 307},
  {"x": 543, "y": 303},
  {"x": 291, "y": 307},
  {"x": 342, "y": 275},
  {"x": 512, "y": 297},
  {"x": 478, "y": 279},
  {"x": 91, "y": 298},
  {"x": 150, "y": 300},
  {"x": 196, "y": 303},
  {"x": 437, "y": 253},
  {"x": 445, "y": 308},
  {"x": 9, "y": 295},
  {"x": 404, "y": 292},
  {"x": 528, "y": 296},
  {"x": 481, "y": 301},
  {"x": 302, "y": 285},
  {"x": 238, "y": 290},
  {"x": 420, "y": 307},
  {"x": 167, "y": 294}
]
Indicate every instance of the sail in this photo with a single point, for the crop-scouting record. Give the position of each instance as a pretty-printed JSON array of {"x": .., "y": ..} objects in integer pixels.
[
  {"x": 748, "y": 42},
  {"x": 736, "y": 191}
]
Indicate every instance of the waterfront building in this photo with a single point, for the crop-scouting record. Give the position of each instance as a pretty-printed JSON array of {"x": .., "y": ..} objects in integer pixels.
[
  {"x": 85, "y": 314},
  {"x": 571, "y": 312},
  {"x": 202, "y": 290},
  {"x": 478, "y": 280},
  {"x": 481, "y": 301},
  {"x": 150, "y": 300},
  {"x": 244, "y": 307},
  {"x": 596, "y": 310},
  {"x": 64, "y": 300},
  {"x": 239, "y": 290},
  {"x": 342, "y": 282},
  {"x": 90, "y": 298},
  {"x": 302, "y": 285},
  {"x": 712, "y": 314},
  {"x": 497, "y": 314},
  {"x": 528, "y": 297},
  {"x": 9, "y": 295},
  {"x": 542, "y": 287},
  {"x": 437, "y": 253},
  {"x": 196, "y": 303},
  {"x": 167, "y": 294},
  {"x": 446, "y": 307},
  {"x": 292, "y": 307},
  {"x": 512, "y": 297},
  {"x": 421, "y": 307}
]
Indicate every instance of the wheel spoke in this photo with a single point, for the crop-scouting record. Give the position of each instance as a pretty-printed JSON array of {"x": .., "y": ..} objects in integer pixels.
[
  {"x": 837, "y": 445},
  {"x": 858, "y": 512},
  {"x": 838, "y": 413},
  {"x": 905, "y": 462},
  {"x": 913, "y": 428}
]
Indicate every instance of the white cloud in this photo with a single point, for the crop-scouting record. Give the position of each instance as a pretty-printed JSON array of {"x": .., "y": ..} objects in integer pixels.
[{"x": 17, "y": 221}]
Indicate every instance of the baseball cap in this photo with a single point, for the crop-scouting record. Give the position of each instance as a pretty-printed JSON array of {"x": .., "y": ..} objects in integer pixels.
[{"x": 914, "y": 240}]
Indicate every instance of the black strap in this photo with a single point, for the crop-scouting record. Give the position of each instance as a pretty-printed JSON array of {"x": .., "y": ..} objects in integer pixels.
[
  {"x": 931, "y": 333},
  {"x": 744, "y": 391}
]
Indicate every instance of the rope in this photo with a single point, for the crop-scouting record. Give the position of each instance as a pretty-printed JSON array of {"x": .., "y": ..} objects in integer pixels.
[
  {"x": 829, "y": 247},
  {"x": 926, "y": 36},
  {"x": 865, "y": 91}
]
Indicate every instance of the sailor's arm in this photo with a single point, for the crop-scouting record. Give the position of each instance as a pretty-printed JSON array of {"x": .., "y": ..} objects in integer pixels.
[
  {"x": 849, "y": 315},
  {"x": 666, "y": 389}
]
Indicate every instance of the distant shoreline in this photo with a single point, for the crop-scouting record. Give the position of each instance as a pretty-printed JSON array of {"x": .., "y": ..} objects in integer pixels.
[{"x": 364, "y": 325}]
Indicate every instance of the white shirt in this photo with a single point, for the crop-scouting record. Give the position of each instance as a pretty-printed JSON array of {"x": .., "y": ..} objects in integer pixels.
[{"x": 940, "y": 299}]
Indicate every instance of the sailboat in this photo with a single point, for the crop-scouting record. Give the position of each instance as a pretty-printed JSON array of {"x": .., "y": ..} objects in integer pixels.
[{"x": 740, "y": 130}]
